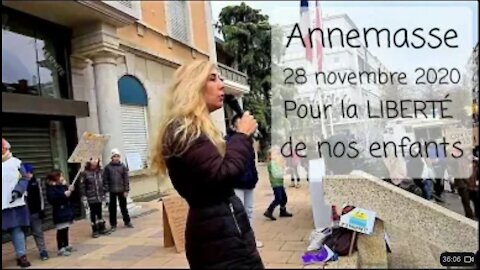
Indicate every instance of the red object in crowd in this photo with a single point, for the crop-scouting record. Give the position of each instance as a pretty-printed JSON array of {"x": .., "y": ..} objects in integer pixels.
[
  {"x": 5, "y": 144},
  {"x": 335, "y": 216}
]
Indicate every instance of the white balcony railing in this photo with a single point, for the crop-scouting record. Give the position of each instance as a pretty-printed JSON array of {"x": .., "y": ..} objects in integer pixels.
[{"x": 233, "y": 74}]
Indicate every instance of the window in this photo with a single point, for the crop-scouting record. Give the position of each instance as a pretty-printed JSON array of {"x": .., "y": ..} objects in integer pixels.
[
  {"x": 336, "y": 41},
  {"x": 126, "y": 3},
  {"x": 33, "y": 56},
  {"x": 133, "y": 106},
  {"x": 178, "y": 20}
]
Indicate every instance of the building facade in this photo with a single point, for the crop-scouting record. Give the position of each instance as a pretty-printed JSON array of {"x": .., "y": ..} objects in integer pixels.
[{"x": 69, "y": 67}]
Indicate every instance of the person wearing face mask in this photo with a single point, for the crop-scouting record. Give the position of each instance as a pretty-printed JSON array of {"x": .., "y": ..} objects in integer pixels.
[
  {"x": 117, "y": 184},
  {"x": 204, "y": 169}
]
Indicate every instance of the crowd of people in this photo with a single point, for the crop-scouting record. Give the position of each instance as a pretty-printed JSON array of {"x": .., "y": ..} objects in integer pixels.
[
  {"x": 23, "y": 202},
  {"x": 435, "y": 173}
]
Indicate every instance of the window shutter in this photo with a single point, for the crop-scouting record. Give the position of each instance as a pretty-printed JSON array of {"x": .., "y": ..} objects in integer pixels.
[
  {"x": 33, "y": 145},
  {"x": 134, "y": 131},
  {"x": 178, "y": 20},
  {"x": 127, "y": 3}
]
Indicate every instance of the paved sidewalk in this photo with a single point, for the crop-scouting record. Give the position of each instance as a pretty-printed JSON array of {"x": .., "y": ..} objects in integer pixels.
[{"x": 142, "y": 247}]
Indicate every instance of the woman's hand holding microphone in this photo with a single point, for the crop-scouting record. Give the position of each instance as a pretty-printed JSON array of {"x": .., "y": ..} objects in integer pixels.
[{"x": 247, "y": 124}]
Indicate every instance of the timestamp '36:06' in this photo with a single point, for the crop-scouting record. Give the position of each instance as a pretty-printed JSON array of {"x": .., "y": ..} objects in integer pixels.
[{"x": 457, "y": 259}]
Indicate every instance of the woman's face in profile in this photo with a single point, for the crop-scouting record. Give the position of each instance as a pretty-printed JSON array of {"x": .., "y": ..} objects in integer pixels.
[{"x": 214, "y": 91}]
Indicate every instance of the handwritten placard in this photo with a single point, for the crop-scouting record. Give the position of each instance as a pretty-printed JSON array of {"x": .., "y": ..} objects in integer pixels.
[
  {"x": 465, "y": 136},
  {"x": 134, "y": 161},
  {"x": 175, "y": 210},
  {"x": 359, "y": 220},
  {"x": 91, "y": 145}
]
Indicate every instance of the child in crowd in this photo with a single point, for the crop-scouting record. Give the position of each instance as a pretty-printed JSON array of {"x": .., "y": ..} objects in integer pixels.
[
  {"x": 275, "y": 174},
  {"x": 117, "y": 184},
  {"x": 35, "y": 204},
  {"x": 58, "y": 195},
  {"x": 93, "y": 194}
]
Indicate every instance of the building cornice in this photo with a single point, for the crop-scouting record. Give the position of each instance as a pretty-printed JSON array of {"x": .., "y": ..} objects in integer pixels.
[
  {"x": 111, "y": 11},
  {"x": 147, "y": 54}
]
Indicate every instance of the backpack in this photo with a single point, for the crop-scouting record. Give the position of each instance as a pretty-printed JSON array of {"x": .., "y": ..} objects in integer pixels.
[{"x": 339, "y": 241}]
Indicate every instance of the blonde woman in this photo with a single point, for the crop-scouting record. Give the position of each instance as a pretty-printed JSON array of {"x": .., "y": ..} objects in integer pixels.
[{"x": 203, "y": 169}]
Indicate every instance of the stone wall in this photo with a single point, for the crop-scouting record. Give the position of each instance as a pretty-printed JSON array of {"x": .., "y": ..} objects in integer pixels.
[{"x": 426, "y": 220}]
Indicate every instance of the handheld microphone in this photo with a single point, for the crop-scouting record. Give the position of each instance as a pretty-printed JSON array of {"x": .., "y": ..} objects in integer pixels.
[{"x": 232, "y": 102}]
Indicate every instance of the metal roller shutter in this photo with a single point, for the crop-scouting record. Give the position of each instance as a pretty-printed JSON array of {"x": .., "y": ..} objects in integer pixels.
[
  {"x": 134, "y": 131},
  {"x": 33, "y": 145}
]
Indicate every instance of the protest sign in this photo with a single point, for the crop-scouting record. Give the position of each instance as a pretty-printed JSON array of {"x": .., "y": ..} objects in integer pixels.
[
  {"x": 359, "y": 220},
  {"x": 91, "y": 145},
  {"x": 134, "y": 161},
  {"x": 463, "y": 135},
  {"x": 175, "y": 210}
]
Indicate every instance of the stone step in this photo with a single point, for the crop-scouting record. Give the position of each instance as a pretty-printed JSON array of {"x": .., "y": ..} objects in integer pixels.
[
  {"x": 372, "y": 251},
  {"x": 409, "y": 251},
  {"x": 344, "y": 262}
]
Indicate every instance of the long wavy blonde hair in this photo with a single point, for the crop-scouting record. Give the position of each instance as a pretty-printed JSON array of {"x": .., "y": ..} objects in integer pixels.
[{"x": 186, "y": 117}]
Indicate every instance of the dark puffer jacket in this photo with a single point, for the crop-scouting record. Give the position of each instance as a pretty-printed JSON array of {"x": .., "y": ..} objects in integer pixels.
[
  {"x": 62, "y": 207},
  {"x": 91, "y": 186},
  {"x": 115, "y": 178},
  {"x": 218, "y": 233},
  {"x": 34, "y": 196},
  {"x": 249, "y": 178}
]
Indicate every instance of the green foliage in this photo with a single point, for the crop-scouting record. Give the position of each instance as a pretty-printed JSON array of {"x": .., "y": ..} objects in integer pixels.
[{"x": 248, "y": 38}]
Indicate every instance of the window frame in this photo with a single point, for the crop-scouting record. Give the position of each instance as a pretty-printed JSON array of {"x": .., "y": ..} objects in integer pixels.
[
  {"x": 188, "y": 24},
  {"x": 145, "y": 114},
  {"x": 60, "y": 36}
]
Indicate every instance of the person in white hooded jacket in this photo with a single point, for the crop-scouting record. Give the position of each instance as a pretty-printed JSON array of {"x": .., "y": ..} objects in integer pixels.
[{"x": 15, "y": 215}]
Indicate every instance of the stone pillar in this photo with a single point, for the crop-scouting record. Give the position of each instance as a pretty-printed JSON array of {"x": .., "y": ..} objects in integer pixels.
[
  {"x": 108, "y": 101},
  {"x": 98, "y": 41},
  {"x": 82, "y": 90}
]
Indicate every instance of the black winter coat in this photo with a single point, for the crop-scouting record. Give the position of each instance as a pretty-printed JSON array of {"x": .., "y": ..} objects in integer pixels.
[
  {"x": 218, "y": 233},
  {"x": 249, "y": 178},
  {"x": 115, "y": 178},
  {"x": 91, "y": 186},
  {"x": 61, "y": 204},
  {"x": 34, "y": 196}
]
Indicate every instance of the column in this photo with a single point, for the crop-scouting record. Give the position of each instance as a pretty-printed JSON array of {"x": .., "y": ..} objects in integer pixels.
[
  {"x": 108, "y": 109},
  {"x": 108, "y": 101},
  {"x": 82, "y": 82}
]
